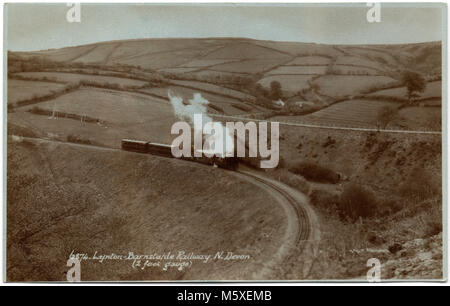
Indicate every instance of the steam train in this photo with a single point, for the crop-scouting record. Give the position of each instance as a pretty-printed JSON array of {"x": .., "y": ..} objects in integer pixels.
[{"x": 165, "y": 150}]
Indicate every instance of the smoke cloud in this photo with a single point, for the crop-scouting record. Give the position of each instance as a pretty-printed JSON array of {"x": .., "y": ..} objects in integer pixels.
[{"x": 219, "y": 143}]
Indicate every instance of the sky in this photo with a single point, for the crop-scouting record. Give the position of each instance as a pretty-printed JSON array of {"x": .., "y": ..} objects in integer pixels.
[{"x": 44, "y": 26}]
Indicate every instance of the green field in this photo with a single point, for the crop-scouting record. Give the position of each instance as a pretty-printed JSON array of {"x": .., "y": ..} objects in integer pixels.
[
  {"x": 432, "y": 90},
  {"x": 120, "y": 115},
  {"x": 220, "y": 90},
  {"x": 357, "y": 70},
  {"x": 111, "y": 106},
  {"x": 298, "y": 70},
  {"x": 342, "y": 85},
  {"x": 214, "y": 66},
  {"x": 309, "y": 60},
  {"x": 19, "y": 90},
  {"x": 222, "y": 102},
  {"x": 74, "y": 78},
  {"x": 289, "y": 83},
  {"x": 249, "y": 66},
  {"x": 201, "y": 63},
  {"x": 351, "y": 113}
]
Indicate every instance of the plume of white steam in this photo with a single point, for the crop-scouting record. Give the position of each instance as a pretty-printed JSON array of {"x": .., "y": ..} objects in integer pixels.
[
  {"x": 198, "y": 106},
  {"x": 186, "y": 112}
]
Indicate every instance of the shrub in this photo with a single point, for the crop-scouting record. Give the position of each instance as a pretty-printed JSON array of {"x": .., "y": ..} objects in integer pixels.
[
  {"x": 292, "y": 180},
  {"x": 314, "y": 172},
  {"x": 76, "y": 139},
  {"x": 392, "y": 206},
  {"x": 430, "y": 220},
  {"x": 324, "y": 200},
  {"x": 356, "y": 201},
  {"x": 418, "y": 185}
]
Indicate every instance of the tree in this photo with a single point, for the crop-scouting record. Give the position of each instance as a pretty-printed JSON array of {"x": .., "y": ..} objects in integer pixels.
[
  {"x": 275, "y": 90},
  {"x": 414, "y": 83},
  {"x": 385, "y": 115}
]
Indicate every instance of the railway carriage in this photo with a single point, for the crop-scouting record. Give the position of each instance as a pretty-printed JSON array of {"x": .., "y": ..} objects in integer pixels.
[
  {"x": 165, "y": 150},
  {"x": 160, "y": 149},
  {"x": 135, "y": 145}
]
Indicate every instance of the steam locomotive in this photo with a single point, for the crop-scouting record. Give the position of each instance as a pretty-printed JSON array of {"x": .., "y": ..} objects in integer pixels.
[{"x": 165, "y": 150}]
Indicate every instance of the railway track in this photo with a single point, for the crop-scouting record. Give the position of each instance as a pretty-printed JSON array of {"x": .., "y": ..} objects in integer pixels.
[
  {"x": 302, "y": 247},
  {"x": 304, "y": 222}
]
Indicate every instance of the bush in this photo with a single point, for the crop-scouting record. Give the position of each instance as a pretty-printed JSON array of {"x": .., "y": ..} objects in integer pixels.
[
  {"x": 356, "y": 201},
  {"x": 76, "y": 139},
  {"x": 292, "y": 180},
  {"x": 314, "y": 172},
  {"x": 324, "y": 200},
  {"x": 418, "y": 185}
]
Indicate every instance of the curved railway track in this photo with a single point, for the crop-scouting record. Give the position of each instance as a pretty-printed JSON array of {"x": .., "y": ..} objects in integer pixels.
[{"x": 306, "y": 230}]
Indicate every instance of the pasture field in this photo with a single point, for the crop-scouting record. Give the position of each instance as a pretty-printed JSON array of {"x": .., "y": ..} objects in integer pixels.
[
  {"x": 99, "y": 54},
  {"x": 433, "y": 90},
  {"x": 224, "y": 103},
  {"x": 357, "y": 61},
  {"x": 201, "y": 63},
  {"x": 357, "y": 70},
  {"x": 110, "y": 106},
  {"x": 289, "y": 83},
  {"x": 219, "y": 90},
  {"x": 298, "y": 70},
  {"x": 245, "y": 50},
  {"x": 342, "y": 85},
  {"x": 249, "y": 66},
  {"x": 161, "y": 60},
  {"x": 210, "y": 73},
  {"x": 19, "y": 90},
  {"x": 301, "y": 49},
  {"x": 142, "y": 47},
  {"x": 74, "y": 78},
  {"x": 179, "y": 70},
  {"x": 381, "y": 56},
  {"x": 309, "y": 60},
  {"x": 123, "y": 115},
  {"x": 351, "y": 113},
  {"x": 62, "y": 55}
]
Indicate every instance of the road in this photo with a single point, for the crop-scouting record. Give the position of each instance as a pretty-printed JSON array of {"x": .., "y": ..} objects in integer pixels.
[{"x": 302, "y": 227}]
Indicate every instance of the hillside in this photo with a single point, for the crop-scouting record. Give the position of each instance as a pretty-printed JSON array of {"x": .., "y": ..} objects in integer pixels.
[
  {"x": 171, "y": 53},
  {"x": 328, "y": 98},
  {"x": 237, "y": 73},
  {"x": 112, "y": 201}
]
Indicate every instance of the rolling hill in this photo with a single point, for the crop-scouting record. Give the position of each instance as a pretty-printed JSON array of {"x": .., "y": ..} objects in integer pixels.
[{"x": 231, "y": 71}]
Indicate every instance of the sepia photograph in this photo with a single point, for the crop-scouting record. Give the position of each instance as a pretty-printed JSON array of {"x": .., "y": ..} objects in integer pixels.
[{"x": 244, "y": 142}]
